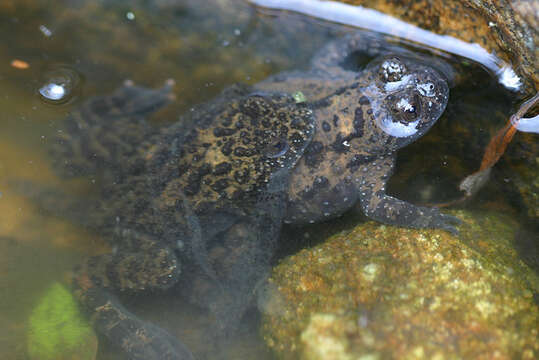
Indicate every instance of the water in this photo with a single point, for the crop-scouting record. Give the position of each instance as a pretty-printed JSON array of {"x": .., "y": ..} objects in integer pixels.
[{"x": 204, "y": 47}]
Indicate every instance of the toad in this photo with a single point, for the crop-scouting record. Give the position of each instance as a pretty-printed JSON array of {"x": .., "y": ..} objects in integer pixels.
[{"x": 201, "y": 202}]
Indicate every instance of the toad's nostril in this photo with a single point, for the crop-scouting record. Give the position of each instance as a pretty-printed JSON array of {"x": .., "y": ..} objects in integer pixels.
[{"x": 426, "y": 89}]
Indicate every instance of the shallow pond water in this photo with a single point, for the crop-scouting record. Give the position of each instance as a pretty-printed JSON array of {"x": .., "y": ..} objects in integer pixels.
[{"x": 204, "y": 46}]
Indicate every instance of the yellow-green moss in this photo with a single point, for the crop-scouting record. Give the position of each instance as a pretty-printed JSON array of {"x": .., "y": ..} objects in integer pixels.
[{"x": 57, "y": 330}]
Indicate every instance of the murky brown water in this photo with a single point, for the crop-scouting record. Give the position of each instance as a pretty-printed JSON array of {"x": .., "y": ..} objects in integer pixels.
[{"x": 204, "y": 46}]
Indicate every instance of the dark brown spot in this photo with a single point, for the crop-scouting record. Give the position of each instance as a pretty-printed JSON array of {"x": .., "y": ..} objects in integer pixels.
[
  {"x": 326, "y": 127},
  {"x": 239, "y": 125},
  {"x": 227, "y": 147},
  {"x": 241, "y": 151},
  {"x": 222, "y": 168},
  {"x": 335, "y": 120},
  {"x": 219, "y": 185},
  {"x": 314, "y": 154},
  {"x": 364, "y": 100},
  {"x": 241, "y": 176},
  {"x": 266, "y": 123},
  {"x": 359, "y": 160},
  {"x": 193, "y": 184},
  {"x": 219, "y": 131},
  {"x": 358, "y": 122},
  {"x": 204, "y": 169}
]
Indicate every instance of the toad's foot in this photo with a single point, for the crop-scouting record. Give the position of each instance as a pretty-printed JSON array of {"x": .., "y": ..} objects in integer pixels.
[
  {"x": 106, "y": 132},
  {"x": 148, "y": 266},
  {"x": 389, "y": 210},
  {"x": 138, "y": 339}
]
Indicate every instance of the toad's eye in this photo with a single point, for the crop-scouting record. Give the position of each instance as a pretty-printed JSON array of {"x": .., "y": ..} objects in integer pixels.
[
  {"x": 392, "y": 70},
  {"x": 277, "y": 147},
  {"x": 407, "y": 109}
]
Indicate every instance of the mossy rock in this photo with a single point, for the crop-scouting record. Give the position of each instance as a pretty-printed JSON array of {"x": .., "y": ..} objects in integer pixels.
[
  {"x": 381, "y": 292},
  {"x": 57, "y": 330}
]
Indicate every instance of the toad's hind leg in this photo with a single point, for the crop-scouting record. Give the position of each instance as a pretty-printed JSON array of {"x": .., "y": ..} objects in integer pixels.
[
  {"x": 379, "y": 206},
  {"x": 150, "y": 267},
  {"x": 240, "y": 257},
  {"x": 106, "y": 132},
  {"x": 340, "y": 55}
]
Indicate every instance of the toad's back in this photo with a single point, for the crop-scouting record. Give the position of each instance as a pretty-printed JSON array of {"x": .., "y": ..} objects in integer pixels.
[{"x": 232, "y": 150}]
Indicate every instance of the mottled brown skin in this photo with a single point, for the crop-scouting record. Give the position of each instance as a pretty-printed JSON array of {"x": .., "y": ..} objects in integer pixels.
[
  {"x": 351, "y": 158},
  {"x": 200, "y": 203}
]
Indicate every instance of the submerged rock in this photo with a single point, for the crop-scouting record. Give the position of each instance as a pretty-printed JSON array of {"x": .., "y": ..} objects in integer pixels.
[
  {"x": 521, "y": 169},
  {"x": 380, "y": 292}
]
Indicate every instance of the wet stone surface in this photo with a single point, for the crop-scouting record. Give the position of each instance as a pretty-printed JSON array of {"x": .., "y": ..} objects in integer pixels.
[
  {"x": 380, "y": 292},
  {"x": 521, "y": 169}
]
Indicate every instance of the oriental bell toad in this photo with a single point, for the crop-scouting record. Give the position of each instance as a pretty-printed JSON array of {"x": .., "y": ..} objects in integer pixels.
[{"x": 205, "y": 197}]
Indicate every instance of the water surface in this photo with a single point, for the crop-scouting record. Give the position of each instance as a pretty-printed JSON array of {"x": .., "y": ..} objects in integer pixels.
[{"x": 204, "y": 46}]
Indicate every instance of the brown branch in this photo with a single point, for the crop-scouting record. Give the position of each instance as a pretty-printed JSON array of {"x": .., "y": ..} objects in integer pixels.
[{"x": 494, "y": 150}]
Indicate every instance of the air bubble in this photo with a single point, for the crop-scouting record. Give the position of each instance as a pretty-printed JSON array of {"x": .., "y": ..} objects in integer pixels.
[
  {"x": 53, "y": 91},
  {"x": 59, "y": 85}
]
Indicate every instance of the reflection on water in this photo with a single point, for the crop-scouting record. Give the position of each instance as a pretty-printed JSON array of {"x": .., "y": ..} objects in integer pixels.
[
  {"x": 204, "y": 47},
  {"x": 376, "y": 21}
]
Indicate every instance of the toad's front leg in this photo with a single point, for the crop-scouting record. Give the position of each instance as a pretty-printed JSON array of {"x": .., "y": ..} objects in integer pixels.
[
  {"x": 377, "y": 205},
  {"x": 149, "y": 267}
]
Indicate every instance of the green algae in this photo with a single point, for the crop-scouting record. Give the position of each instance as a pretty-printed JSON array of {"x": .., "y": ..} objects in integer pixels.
[
  {"x": 57, "y": 330},
  {"x": 383, "y": 292},
  {"x": 299, "y": 97}
]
